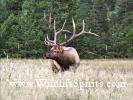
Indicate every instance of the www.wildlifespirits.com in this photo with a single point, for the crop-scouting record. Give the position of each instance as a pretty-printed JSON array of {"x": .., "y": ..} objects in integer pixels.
[{"x": 68, "y": 84}]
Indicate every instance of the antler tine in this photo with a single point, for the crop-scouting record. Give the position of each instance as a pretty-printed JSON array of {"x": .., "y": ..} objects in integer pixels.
[
  {"x": 76, "y": 35},
  {"x": 83, "y": 25},
  {"x": 84, "y": 32},
  {"x": 57, "y": 32},
  {"x": 46, "y": 42},
  {"x": 61, "y": 30},
  {"x": 49, "y": 43},
  {"x": 92, "y": 33},
  {"x": 74, "y": 31},
  {"x": 74, "y": 26},
  {"x": 49, "y": 39},
  {"x": 62, "y": 27}
]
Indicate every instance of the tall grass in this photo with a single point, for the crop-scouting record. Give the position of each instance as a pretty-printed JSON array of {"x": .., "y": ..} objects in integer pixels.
[{"x": 105, "y": 71}]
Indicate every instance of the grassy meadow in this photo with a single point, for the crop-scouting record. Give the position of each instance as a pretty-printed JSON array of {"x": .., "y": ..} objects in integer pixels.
[{"x": 114, "y": 80}]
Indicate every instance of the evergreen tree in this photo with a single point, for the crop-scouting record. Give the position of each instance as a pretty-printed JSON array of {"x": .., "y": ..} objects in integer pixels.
[{"x": 25, "y": 23}]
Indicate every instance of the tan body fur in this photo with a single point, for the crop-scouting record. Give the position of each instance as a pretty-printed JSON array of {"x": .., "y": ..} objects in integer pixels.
[{"x": 63, "y": 57}]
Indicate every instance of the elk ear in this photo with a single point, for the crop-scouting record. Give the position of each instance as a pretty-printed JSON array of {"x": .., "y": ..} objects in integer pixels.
[{"x": 56, "y": 49}]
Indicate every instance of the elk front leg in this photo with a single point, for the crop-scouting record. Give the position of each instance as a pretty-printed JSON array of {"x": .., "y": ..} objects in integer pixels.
[{"x": 55, "y": 66}]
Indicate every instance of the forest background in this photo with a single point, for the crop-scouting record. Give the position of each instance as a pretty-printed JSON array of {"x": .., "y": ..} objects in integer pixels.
[{"x": 24, "y": 26}]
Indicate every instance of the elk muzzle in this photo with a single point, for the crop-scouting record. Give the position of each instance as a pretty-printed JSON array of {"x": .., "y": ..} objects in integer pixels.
[{"x": 47, "y": 55}]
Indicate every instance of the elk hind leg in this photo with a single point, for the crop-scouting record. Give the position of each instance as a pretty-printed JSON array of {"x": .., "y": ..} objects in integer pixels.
[{"x": 74, "y": 67}]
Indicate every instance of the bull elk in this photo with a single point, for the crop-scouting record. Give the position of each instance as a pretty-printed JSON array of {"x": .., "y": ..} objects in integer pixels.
[{"x": 63, "y": 57}]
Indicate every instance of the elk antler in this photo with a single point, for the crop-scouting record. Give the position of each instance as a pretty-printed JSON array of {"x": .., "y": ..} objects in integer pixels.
[
  {"x": 76, "y": 35},
  {"x": 50, "y": 42}
]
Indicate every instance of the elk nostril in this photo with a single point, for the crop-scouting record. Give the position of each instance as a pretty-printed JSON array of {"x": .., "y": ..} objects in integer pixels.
[{"x": 44, "y": 56}]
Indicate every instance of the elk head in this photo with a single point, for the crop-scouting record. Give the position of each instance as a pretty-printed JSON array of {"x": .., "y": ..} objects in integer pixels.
[{"x": 54, "y": 52}]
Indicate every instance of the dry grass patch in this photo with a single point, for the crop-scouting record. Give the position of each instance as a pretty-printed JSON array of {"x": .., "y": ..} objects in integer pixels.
[{"x": 104, "y": 71}]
